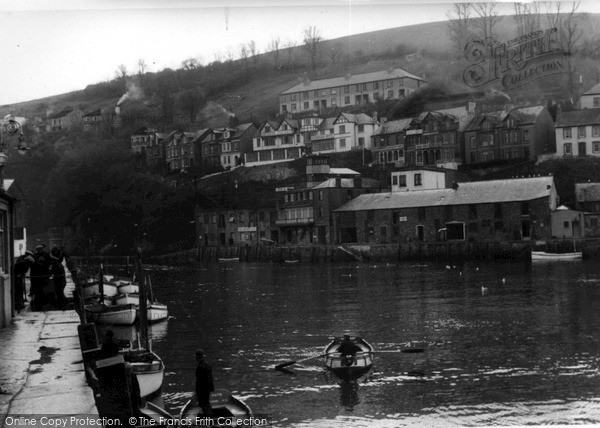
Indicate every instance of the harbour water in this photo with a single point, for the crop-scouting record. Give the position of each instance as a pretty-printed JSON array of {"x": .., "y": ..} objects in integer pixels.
[{"x": 505, "y": 344}]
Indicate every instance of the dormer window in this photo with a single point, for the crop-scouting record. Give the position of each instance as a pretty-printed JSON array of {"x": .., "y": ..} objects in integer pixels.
[{"x": 510, "y": 122}]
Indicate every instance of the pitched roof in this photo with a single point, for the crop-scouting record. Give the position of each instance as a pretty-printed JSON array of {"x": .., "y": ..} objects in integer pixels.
[
  {"x": 358, "y": 118},
  {"x": 495, "y": 117},
  {"x": 393, "y": 126},
  {"x": 97, "y": 112},
  {"x": 342, "y": 171},
  {"x": 478, "y": 192},
  {"x": 526, "y": 115},
  {"x": 593, "y": 90},
  {"x": 61, "y": 113},
  {"x": 590, "y": 116},
  {"x": 327, "y": 123},
  {"x": 352, "y": 80}
]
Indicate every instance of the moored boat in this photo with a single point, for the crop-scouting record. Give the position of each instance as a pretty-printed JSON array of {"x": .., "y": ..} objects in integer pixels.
[
  {"x": 543, "y": 255},
  {"x": 127, "y": 298},
  {"x": 157, "y": 312},
  {"x": 117, "y": 314},
  {"x": 93, "y": 288},
  {"x": 228, "y": 410},
  {"x": 229, "y": 259},
  {"x": 349, "y": 366},
  {"x": 148, "y": 368}
]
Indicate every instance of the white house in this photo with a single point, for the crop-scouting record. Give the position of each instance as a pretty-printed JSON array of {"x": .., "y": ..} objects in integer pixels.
[{"x": 578, "y": 133}]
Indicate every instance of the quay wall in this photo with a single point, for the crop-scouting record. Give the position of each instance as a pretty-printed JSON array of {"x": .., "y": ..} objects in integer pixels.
[{"x": 430, "y": 251}]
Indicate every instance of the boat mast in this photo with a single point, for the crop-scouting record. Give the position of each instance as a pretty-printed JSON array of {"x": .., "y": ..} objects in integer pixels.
[{"x": 143, "y": 306}]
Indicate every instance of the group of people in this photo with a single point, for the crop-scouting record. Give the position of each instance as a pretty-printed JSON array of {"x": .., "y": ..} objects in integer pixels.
[{"x": 42, "y": 266}]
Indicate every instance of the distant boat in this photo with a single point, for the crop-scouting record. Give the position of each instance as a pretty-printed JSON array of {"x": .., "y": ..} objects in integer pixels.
[
  {"x": 542, "y": 255},
  {"x": 223, "y": 405},
  {"x": 345, "y": 367},
  {"x": 292, "y": 261},
  {"x": 229, "y": 259}
]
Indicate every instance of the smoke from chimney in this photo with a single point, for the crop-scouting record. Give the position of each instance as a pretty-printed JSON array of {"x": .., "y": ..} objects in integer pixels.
[{"x": 134, "y": 92}]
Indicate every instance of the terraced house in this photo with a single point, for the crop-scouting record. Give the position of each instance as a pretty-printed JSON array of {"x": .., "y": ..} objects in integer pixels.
[
  {"x": 181, "y": 149},
  {"x": 519, "y": 133},
  {"x": 578, "y": 133},
  {"x": 276, "y": 141},
  {"x": 349, "y": 90}
]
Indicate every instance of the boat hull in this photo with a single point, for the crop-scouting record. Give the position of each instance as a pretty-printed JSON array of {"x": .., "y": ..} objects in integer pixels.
[
  {"x": 224, "y": 405},
  {"x": 345, "y": 367},
  {"x": 157, "y": 312},
  {"x": 148, "y": 369},
  {"x": 542, "y": 255},
  {"x": 119, "y": 314},
  {"x": 92, "y": 289}
]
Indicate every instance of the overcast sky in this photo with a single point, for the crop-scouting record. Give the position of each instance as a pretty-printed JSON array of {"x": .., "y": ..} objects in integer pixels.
[{"x": 55, "y": 46}]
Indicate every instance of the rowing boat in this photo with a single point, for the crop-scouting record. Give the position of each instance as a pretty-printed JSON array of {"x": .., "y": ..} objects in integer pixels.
[
  {"x": 348, "y": 366},
  {"x": 227, "y": 410},
  {"x": 542, "y": 255},
  {"x": 229, "y": 259},
  {"x": 117, "y": 314}
]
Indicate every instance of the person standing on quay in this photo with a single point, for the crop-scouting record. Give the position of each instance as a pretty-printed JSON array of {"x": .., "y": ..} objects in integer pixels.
[
  {"x": 22, "y": 266},
  {"x": 204, "y": 383},
  {"x": 58, "y": 276},
  {"x": 40, "y": 277}
]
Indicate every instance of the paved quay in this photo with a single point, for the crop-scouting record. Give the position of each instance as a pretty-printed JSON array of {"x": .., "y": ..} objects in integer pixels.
[{"x": 41, "y": 368}]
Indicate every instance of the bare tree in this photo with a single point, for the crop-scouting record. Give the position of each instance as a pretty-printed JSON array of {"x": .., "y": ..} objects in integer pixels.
[
  {"x": 311, "y": 38},
  {"x": 190, "y": 63},
  {"x": 566, "y": 21},
  {"x": 192, "y": 101},
  {"x": 274, "y": 47},
  {"x": 121, "y": 72},
  {"x": 460, "y": 25},
  {"x": 229, "y": 55},
  {"x": 527, "y": 17},
  {"x": 142, "y": 67},
  {"x": 487, "y": 14},
  {"x": 253, "y": 51},
  {"x": 290, "y": 45},
  {"x": 244, "y": 54}
]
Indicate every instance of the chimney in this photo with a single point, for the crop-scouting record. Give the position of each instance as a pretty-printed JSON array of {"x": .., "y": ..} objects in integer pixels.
[
  {"x": 390, "y": 70},
  {"x": 347, "y": 76},
  {"x": 117, "y": 110},
  {"x": 375, "y": 117},
  {"x": 305, "y": 80}
]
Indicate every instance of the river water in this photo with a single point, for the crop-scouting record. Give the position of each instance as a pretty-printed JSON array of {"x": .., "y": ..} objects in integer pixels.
[{"x": 524, "y": 349}]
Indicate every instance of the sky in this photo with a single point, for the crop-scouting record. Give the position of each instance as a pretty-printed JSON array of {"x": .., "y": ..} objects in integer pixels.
[{"x": 56, "y": 46}]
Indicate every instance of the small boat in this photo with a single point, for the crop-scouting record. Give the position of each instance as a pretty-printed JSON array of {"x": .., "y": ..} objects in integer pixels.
[
  {"x": 157, "y": 312},
  {"x": 542, "y": 255},
  {"x": 229, "y": 259},
  {"x": 92, "y": 288},
  {"x": 117, "y": 314},
  {"x": 148, "y": 368},
  {"x": 127, "y": 298},
  {"x": 292, "y": 261},
  {"x": 155, "y": 416},
  {"x": 224, "y": 406},
  {"x": 124, "y": 287},
  {"x": 347, "y": 367}
]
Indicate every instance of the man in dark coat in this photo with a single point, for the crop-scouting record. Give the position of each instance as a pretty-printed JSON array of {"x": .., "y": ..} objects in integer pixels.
[
  {"x": 22, "y": 265},
  {"x": 58, "y": 276},
  {"x": 348, "y": 349},
  {"x": 40, "y": 277},
  {"x": 204, "y": 383}
]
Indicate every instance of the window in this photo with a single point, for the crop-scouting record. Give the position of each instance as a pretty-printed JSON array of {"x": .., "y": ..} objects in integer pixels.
[
  {"x": 596, "y": 131},
  {"x": 306, "y": 105},
  {"x": 418, "y": 180},
  {"x": 390, "y": 83},
  {"x": 333, "y": 91},
  {"x": 333, "y": 101},
  {"x": 565, "y": 224},
  {"x": 342, "y": 129},
  {"x": 394, "y": 180},
  {"x": 357, "y": 99},
  {"x": 402, "y": 181},
  {"x": 293, "y": 106},
  {"x": 596, "y": 147},
  {"x": 361, "y": 128},
  {"x": 293, "y": 97},
  {"x": 390, "y": 94},
  {"x": 347, "y": 89},
  {"x": 375, "y": 85},
  {"x": 305, "y": 94},
  {"x": 596, "y": 101},
  {"x": 375, "y": 96},
  {"x": 364, "y": 86},
  {"x": 568, "y": 149},
  {"x": 316, "y": 93},
  {"x": 361, "y": 141},
  {"x": 342, "y": 142},
  {"x": 566, "y": 132},
  {"x": 526, "y": 135},
  {"x": 322, "y": 93},
  {"x": 347, "y": 99},
  {"x": 581, "y": 131}
]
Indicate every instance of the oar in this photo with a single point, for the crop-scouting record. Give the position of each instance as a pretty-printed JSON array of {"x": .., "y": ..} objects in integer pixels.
[
  {"x": 404, "y": 351},
  {"x": 289, "y": 363}
]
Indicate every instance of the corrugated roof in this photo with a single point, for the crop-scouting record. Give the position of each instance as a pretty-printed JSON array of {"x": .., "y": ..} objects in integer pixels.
[
  {"x": 479, "y": 192},
  {"x": 348, "y": 183},
  {"x": 354, "y": 79},
  {"x": 590, "y": 116},
  {"x": 343, "y": 171}
]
